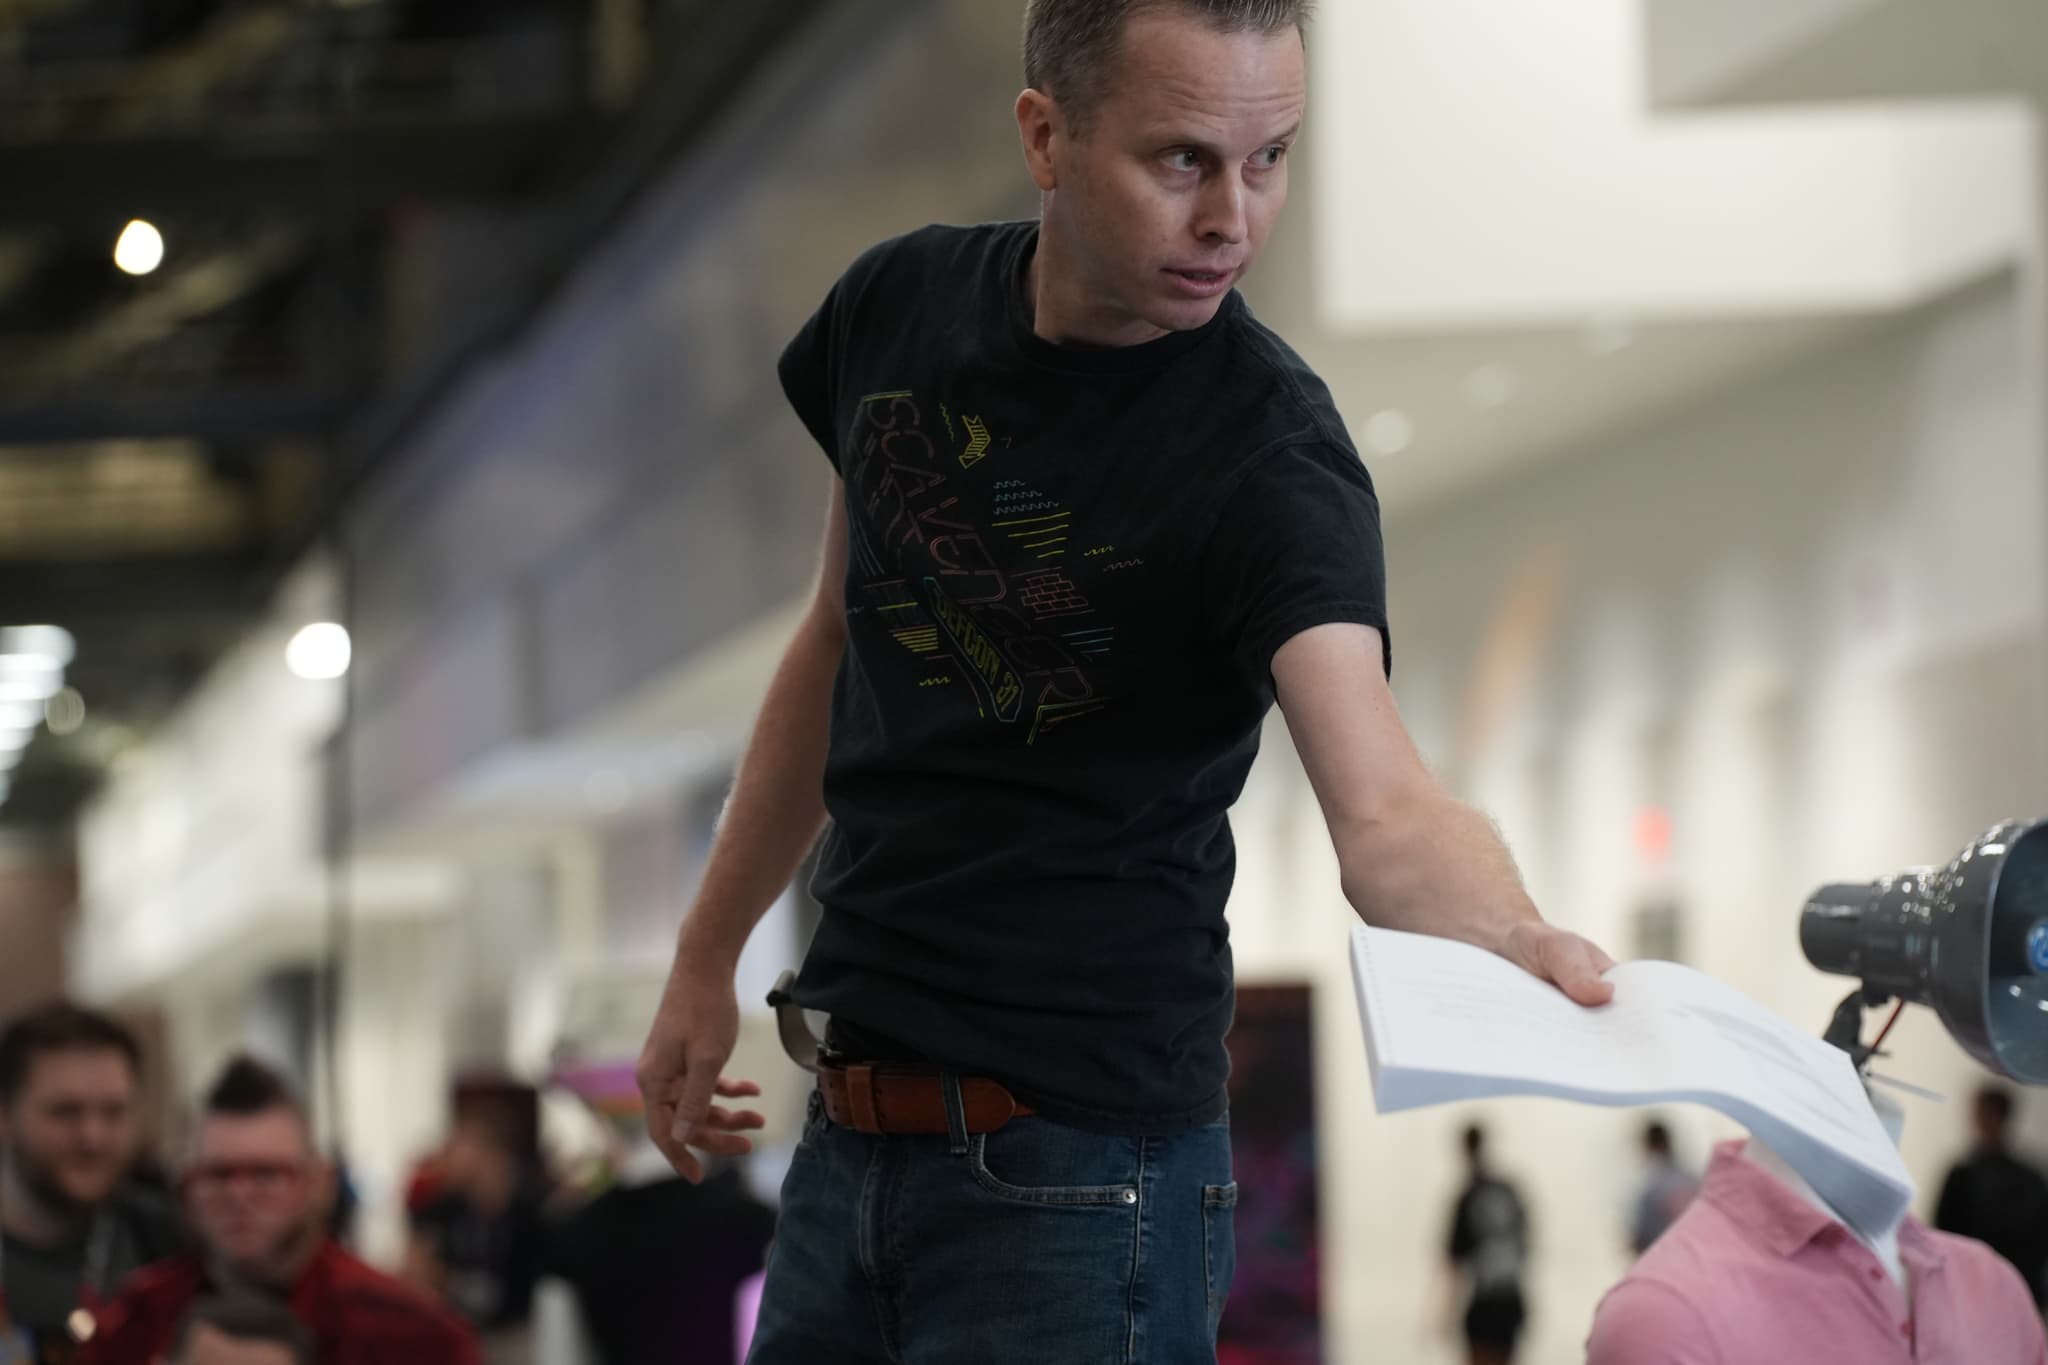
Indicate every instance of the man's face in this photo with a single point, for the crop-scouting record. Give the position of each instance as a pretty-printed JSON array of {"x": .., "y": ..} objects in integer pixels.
[
  {"x": 73, "y": 1127},
  {"x": 1165, "y": 202},
  {"x": 256, "y": 1193},
  {"x": 207, "y": 1346}
]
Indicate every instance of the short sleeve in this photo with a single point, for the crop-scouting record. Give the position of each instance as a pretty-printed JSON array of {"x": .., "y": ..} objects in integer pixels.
[
  {"x": 1295, "y": 545},
  {"x": 1642, "y": 1322},
  {"x": 808, "y": 367},
  {"x": 813, "y": 362}
]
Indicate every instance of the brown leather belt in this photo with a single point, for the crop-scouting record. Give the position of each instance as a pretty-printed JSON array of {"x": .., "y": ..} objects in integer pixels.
[{"x": 871, "y": 1099}]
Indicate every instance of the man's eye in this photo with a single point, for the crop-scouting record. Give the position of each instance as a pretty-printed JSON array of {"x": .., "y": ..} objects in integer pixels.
[{"x": 1184, "y": 160}]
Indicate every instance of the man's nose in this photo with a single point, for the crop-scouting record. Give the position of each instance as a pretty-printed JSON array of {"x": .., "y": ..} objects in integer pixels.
[{"x": 1223, "y": 212}]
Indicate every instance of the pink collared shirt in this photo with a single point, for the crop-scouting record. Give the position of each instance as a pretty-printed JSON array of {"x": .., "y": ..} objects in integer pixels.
[{"x": 1752, "y": 1274}]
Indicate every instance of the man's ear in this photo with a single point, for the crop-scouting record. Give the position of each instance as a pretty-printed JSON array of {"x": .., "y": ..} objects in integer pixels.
[{"x": 1038, "y": 127}]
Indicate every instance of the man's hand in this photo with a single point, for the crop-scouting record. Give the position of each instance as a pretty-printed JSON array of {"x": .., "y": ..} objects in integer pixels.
[
  {"x": 690, "y": 1042},
  {"x": 1570, "y": 963}
]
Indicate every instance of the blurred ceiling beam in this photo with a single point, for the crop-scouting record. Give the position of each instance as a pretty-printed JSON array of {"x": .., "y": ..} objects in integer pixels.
[
  {"x": 183, "y": 77},
  {"x": 18, "y": 258},
  {"x": 250, "y": 413},
  {"x": 92, "y": 595},
  {"x": 307, "y": 176},
  {"x": 183, "y": 295}
]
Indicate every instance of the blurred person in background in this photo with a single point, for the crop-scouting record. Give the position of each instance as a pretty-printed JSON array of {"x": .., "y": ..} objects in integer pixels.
[
  {"x": 657, "y": 1262},
  {"x": 1666, "y": 1189},
  {"x": 1998, "y": 1198},
  {"x": 259, "y": 1195},
  {"x": 1489, "y": 1253},
  {"x": 479, "y": 1241},
  {"x": 242, "y": 1329},
  {"x": 72, "y": 1224},
  {"x": 1046, "y": 432}
]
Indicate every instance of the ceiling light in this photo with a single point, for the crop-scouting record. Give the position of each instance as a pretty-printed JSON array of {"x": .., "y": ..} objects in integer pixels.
[
  {"x": 14, "y": 741},
  {"x": 28, "y": 679},
  {"x": 28, "y": 686},
  {"x": 1389, "y": 432},
  {"x": 320, "y": 652},
  {"x": 53, "y": 643},
  {"x": 1492, "y": 386},
  {"x": 1610, "y": 333},
  {"x": 20, "y": 715},
  {"x": 140, "y": 248},
  {"x": 65, "y": 712}
]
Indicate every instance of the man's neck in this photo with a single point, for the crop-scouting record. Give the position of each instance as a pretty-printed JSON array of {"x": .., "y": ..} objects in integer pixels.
[
  {"x": 1060, "y": 316},
  {"x": 30, "y": 1217}
]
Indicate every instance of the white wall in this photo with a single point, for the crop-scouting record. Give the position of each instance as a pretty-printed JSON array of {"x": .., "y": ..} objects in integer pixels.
[
  {"x": 210, "y": 828},
  {"x": 1495, "y": 165},
  {"x": 395, "y": 1067},
  {"x": 1697, "y": 46},
  {"x": 204, "y": 854},
  {"x": 1807, "y": 618}
]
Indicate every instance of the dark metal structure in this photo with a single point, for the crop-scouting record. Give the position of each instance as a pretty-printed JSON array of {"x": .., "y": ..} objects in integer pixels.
[{"x": 357, "y": 198}]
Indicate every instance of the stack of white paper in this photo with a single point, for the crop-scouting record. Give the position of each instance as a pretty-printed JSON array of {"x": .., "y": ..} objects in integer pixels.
[{"x": 1447, "y": 1021}]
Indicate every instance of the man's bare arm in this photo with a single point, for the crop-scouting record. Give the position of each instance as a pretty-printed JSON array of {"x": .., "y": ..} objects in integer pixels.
[
  {"x": 1411, "y": 856},
  {"x": 770, "y": 821}
]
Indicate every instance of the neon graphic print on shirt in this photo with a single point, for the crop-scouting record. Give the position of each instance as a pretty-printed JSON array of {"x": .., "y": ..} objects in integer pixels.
[{"x": 980, "y": 602}]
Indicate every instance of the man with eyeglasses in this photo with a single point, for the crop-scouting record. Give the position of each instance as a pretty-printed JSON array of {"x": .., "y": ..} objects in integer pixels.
[{"x": 258, "y": 1193}]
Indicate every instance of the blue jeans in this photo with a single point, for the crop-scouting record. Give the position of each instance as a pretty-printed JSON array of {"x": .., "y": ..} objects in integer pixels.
[{"x": 1038, "y": 1243}]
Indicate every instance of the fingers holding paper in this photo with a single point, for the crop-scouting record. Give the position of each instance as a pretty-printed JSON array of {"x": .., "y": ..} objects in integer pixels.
[{"x": 1573, "y": 964}]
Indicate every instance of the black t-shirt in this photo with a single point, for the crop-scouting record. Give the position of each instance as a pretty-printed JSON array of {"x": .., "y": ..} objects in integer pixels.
[
  {"x": 44, "y": 1285},
  {"x": 1489, "y": 1238},
  {"x": 1068, "y": 572},
  {"x": 493, "y": 1259},
  {"x": 657, "y": 1268}
]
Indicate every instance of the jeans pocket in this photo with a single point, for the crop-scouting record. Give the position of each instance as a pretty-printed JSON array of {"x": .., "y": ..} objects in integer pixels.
[
  {"x": 1219, "y": 1247},
  {"x": 814, "y": 1119},
  {"x": 1036, "y": 1162}
]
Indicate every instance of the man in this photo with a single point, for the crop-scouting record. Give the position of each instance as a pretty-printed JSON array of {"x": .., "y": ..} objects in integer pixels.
[
  {"x": 1998, "y": 1199},
  {"x": 242, "y": 1329},
  {"x": 479, "y": 1243},
  {"x": 1667, "y": 1189},
  {"x": 1489, "y": 1251},
  {"x": 71, "y": 1227},
  {"x": 1090, "y": 521},
  {"x": 258, "y": 1197}
]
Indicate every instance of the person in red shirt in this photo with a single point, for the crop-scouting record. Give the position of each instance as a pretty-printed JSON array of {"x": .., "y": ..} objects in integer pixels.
[{"x": 258, "y": 1193}]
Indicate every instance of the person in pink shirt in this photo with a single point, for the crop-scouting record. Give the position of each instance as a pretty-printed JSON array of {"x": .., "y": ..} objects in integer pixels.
[{"x": 1756, "y": 1273}]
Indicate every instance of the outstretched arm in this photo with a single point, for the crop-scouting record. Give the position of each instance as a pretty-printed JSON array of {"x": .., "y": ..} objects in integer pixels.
[{"x": 1411, "y": 856}]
